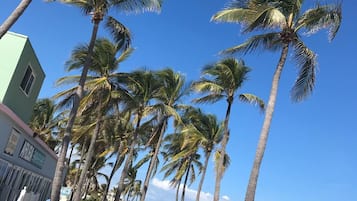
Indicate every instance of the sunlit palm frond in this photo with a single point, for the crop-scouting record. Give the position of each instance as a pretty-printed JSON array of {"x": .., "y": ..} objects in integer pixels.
[
  {"x": 252, "y": 99},
  {"x": 306, "y": 62},
  {"x": 137, "y": 6},
  {"x": 205, "y": 85},
  {"x": 126, "y": 54},
  {"x": 235, "y": 15},
  {"x": 321, "y": 17},
  {"x": 268, "y": 18}
]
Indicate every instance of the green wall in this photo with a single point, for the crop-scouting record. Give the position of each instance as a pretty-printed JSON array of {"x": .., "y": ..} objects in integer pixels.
[{"x": 18, "y": 55}]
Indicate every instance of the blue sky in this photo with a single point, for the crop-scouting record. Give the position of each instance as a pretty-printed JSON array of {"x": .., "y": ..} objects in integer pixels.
[{"x": 311, "y": 153}]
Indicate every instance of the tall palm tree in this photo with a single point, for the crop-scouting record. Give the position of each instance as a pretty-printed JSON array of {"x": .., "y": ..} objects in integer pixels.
[
  {"x": 14, "y": 16},
  {"x": 224, "y": 78},
  {"x": 204, "y": 131},
  {"x": 169, "y": 99},
  {"x": 285, "y": 20},
  {"x": 98, "y": 10},
  {"x": 100, "y": 89}
]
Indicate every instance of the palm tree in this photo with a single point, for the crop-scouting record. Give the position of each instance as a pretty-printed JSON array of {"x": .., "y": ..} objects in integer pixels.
[
  {"x": 100, "y": 89},
  {"x": 224, "y": 79},
  {"x": 204, "y": 131},
  {"x": 169, "y": 99},
  {"x": 181, "y": 162},
  {"x": 285, "y": 19},
  {"x": 119, "y": 130},
  {"x": 142, "y": 86},
  {"x": 44, "y": 123},
  {"x": 19, "y": 10},
  {"x": 98, "y": 10}
]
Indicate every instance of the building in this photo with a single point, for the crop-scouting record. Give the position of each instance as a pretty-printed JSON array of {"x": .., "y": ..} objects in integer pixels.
[{"x": 26, "y": 162}]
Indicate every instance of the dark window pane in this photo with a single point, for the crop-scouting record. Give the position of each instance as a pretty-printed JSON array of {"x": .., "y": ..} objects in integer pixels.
[{"x": 29, "y": 84}]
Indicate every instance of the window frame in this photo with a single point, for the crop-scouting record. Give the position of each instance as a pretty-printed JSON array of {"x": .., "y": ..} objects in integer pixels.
[
  {"x": 14, "y": 133},
  {"x": 27, "y": 80}
]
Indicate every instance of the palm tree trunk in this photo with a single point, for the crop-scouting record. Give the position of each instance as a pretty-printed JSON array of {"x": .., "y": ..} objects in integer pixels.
[
  {"x": 224, "y": 143},
  {"x": 153, "y": 160},
  {"x": 87, "y": 189},
  {"x": 88, "y": 160},
  {"x": 111, "y": 175},
  {"x": 128, "y": 161},
  {"x": 208, "y": 155},
  {"x": 19, "y": 10},
  {"x": 56, "y": 185},
  {"x": 185, "y": 182},
  {"x": 252, "y": 185},
  {"x": 76, "y": 177},
  {"x": 178, "y": 190},
  {"x": 68, "y": 163}
]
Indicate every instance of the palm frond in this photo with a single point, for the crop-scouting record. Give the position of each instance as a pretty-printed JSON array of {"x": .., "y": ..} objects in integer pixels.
[
  {"x": 210, "y": 98},
  {"x": 85, "y": 6},
  {"x": 268, "y": 18},
  {"x": 205, "y": 85},
  {"x": 120, "y": 33},
  {"x": 126, "y": 54},
  {"x": 235, "y": 15},
  {"x": 269, "y": 41},
  {"x": 137, "y": 6},
  {"x": 252, "y": 99},
  {"x": 306, "y": 62},
  {"x": 322, "y": 17}
]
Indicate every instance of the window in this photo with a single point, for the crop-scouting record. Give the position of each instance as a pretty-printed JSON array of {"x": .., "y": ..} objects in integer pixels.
[
  {"x": 12, "y": 142},
  {"x": 27, "y": 81},
  {"x": 27, "y": 151}
]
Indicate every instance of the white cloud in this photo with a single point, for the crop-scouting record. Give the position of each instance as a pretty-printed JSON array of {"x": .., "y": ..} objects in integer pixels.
[{"x": 161, "y": 190}]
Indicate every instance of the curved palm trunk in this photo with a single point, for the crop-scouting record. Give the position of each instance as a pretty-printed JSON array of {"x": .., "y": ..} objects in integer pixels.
[
  {"x": 252, "y": 185},
  {"x": 19, "y": 10},
  {"x": 111, "y": 175},
  {"x": 88, "y": 160},
  {"x": 57, "y": 179},
  {"x": 208, "y": 155},
  {"x": 153, "y": 161},
  {"x": 128, "y": 161},
  {"x": 185, "y": 182},
  {"x": 224, "y": 142}
]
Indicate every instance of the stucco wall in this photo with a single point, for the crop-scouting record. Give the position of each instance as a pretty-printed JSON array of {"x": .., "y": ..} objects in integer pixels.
[
  {"x": 14, "y": 97},
  {"x": 6, "y": 125}
]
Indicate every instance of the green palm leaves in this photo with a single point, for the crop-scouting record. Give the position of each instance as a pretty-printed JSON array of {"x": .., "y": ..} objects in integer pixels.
[
  {"x": 221, "y": 81},
  {"x": 284, "y": 15},
  {"x": 279, "y": 24}
]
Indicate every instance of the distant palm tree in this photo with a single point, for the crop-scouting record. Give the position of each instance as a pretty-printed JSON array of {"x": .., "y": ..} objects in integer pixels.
[
  {"x": 203, "y": 131},
  {"x": 180, "y": 161},
  {"x": 98, "y": 10},
  {"x": 44, "y": 123},
  {"x": 223, "y": 79},
  {"x": 15, "y": 15},
  {"x": 169, "y": 100},
  {"x": 285, "y": 19},
  {"x": 142, "y": 86}
]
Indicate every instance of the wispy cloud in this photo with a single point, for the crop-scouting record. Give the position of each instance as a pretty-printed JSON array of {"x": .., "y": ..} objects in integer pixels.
[{"x": 161, "y": 190}]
